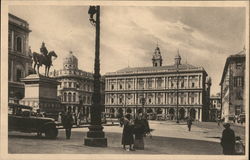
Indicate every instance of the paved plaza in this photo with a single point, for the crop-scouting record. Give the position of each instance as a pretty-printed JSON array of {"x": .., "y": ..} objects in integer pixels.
[{"x": 168, "y": 138}]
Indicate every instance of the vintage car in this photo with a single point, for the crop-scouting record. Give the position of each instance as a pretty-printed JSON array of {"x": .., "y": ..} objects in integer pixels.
[{"x": 21, "y": 118}]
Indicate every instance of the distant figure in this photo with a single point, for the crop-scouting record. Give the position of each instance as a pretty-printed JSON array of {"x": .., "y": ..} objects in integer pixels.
[
  {"x": 218, "y": 121},
  {"x": 127, "y": 134},
  {"x": 228, "y": 140},
  {"x": 38, "y": 113},
  {"x": 67, "y": 121},
  {"x": 189, "y": 123},
  {"x": 79, "y": 118},
  {"x": 59, "y": 119}
]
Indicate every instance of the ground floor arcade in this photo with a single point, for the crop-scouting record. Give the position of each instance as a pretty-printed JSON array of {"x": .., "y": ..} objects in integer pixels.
[{"x": 160, "y": 113}]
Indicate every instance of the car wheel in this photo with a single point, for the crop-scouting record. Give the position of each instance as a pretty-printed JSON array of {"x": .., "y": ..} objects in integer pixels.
[{"x": 51, "y": 133}]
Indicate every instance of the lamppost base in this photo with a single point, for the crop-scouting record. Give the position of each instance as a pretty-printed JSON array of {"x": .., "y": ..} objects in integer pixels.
[{"x": 95, "y": 137}]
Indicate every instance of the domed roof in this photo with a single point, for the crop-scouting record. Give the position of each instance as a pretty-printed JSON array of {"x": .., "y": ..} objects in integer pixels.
[{"x": 70, "y": 61}]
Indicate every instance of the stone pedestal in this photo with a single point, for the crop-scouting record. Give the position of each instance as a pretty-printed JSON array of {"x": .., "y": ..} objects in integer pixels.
[
  {"x": 41, "y": 93},
  {"x": 95, "y": 137}
]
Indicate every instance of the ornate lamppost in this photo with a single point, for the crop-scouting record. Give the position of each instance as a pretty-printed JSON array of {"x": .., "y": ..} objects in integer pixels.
[{"x": 95, "y": 135}]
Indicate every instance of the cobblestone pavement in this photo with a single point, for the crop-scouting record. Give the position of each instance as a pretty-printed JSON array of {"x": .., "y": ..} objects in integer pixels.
[{"x": 168, "y": 138}]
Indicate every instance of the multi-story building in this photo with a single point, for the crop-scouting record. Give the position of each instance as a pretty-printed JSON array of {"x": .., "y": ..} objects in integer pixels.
[
  {"x": 76, "y": 88},
  {"x": 126, "y": 89},
  {"x": 20, "y": 58},
  {"x": 215, "y": 107},
  {"x": 232, "y": 87}
]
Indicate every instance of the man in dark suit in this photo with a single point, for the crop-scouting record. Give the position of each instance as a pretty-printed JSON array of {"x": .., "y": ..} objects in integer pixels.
[{"x": 67, "y": 121}]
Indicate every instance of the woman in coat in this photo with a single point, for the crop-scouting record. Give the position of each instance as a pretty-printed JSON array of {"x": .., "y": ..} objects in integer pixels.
[
  {"x": 127, "y": 134},
  {"x": 141, "y": 128}
]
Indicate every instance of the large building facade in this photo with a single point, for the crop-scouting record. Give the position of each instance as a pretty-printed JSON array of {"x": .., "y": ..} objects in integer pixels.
[
  {"x": 76, "y": 86},
  {"x": 126, "y": 89},
  {"x": 20, "y": 58},
  {"x": 232, "y": 87}
]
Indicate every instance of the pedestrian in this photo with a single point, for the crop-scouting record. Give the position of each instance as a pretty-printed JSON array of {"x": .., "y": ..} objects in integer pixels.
[
  {"x": 228, "y": 140},
  {"x": 127, "y": 134},
  {"x": 39, "y": 114},
  {"x": 141, "y": 128},
  {"x": 189, "y": 123},
  {"x": 218, "y": 121},
  {"x": 67, "y": 121}
]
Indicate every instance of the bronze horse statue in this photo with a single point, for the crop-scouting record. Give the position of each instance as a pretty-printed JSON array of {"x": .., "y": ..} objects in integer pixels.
[{"x": 40, "y": 59}]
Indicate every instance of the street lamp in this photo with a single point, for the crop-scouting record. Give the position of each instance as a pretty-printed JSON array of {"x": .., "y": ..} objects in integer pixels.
[{"x": 95, "y": 135}]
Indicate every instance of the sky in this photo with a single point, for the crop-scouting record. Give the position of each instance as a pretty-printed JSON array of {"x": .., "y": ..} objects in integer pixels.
[{"x": 204, "y": 36}]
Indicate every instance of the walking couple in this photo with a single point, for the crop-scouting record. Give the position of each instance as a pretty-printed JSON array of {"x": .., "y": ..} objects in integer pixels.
[{"x": 138, "y": 127}]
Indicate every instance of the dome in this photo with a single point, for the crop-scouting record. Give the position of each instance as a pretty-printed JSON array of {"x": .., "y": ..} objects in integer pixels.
[{"x": 70, "y": 61}]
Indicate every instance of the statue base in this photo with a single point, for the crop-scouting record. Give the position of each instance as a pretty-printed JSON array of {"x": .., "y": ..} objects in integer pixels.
[
  {"x": 41, "y": 93},
  {"x": 95, "y": 137}
]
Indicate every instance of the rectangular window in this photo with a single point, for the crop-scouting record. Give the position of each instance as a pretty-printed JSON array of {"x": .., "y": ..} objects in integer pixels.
[
  {"x": 182, "y": 84},
  {"x": 18, "y": 75},
  {"x": 238, "y": 65},
  {"x": 238, "y": 81},
  {"x": 239, "y": 95},
  {"x": 237, "y": 110},
  {"x": 182, "y": 100},
  {"x": 192, "y": 100},
  {"x": 192, "y": 84},
  {"x": 159, "y": 100}
]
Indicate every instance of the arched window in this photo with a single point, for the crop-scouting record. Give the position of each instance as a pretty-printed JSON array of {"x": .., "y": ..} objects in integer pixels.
[
  {"x": 112, "y": 100},
  {"x": 19, "y": 44},
  {"x": 112, "y": 87},
  {"x": 69, "y": 97},
  {"x": 65, "y": 97},
  {"x": 74, "y": 97}
]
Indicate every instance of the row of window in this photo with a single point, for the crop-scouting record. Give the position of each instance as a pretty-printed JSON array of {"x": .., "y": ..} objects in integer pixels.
[
  {"x": 182, "y": 100},
  {"x": 141, "y": 86},
  {"x": 69, "y": 97},
  {"x": 76, "y": 85}
]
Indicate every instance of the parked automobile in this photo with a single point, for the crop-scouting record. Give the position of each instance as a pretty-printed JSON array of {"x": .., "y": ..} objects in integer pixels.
[{"x": 21, "y": 118}]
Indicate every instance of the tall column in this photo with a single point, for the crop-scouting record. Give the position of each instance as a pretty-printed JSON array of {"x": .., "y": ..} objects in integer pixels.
[
  {"x": 200, "y": 114},
  {"x": 197, "y": 114},
  {"x": 12, "y": 71},
  {"x": 154, "y": 82},
  {"x": 12, "y": 40},
  {"x": 200, "y": 97}
]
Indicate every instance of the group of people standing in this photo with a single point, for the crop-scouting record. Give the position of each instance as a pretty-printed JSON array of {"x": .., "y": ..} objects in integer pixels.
[{"x": 134, "y": 130}]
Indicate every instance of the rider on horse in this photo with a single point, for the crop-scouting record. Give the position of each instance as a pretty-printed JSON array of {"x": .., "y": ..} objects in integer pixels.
[{"x": 44, "y": 50}]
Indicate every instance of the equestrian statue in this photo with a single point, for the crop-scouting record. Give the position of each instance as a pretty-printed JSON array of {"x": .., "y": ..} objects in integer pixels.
[{"x": 45, "y": 58}]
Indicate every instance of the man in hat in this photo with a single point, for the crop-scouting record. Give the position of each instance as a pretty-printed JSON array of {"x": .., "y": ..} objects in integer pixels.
[{"x": 228, "y": 140}]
